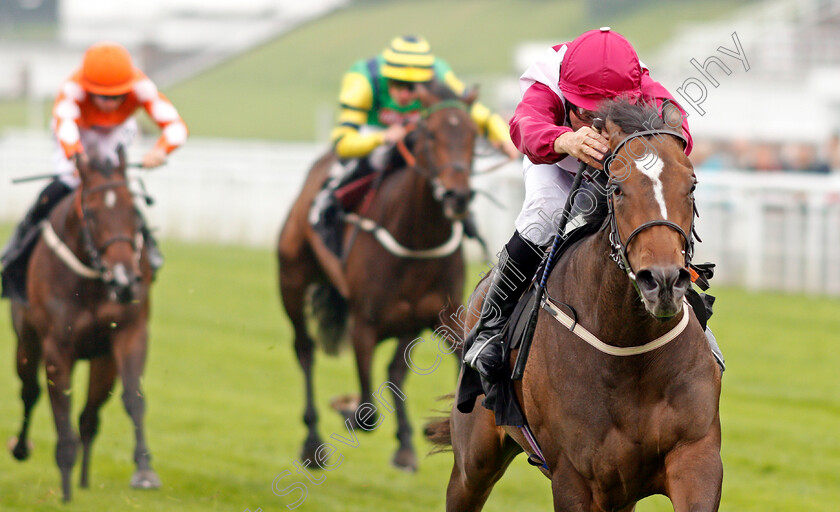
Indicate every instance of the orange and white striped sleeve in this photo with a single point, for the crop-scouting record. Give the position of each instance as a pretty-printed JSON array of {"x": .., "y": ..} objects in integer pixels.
[
  {"x": 65, "y": 117},
  {"x": 173, "y": 129}
]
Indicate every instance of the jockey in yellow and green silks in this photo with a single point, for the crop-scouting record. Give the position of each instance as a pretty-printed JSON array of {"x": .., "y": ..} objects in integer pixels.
[{"x": 378, "y": 97}]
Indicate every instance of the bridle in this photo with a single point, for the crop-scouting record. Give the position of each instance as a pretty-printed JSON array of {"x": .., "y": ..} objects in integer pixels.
[
  {"x": 618, "y": 251},
  {"x": 433, "y": 171},
  {"x": 93, "y": 251}
]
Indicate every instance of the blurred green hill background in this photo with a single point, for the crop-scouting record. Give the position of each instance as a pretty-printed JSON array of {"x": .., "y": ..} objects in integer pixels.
[{"x": 284, "y": 89}]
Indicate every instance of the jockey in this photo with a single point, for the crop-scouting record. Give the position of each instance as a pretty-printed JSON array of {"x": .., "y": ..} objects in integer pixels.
[
  {"x": 93, "y": 114},
  {"x": 552, "y": 126},
  {"x": 378, "y": 98}
]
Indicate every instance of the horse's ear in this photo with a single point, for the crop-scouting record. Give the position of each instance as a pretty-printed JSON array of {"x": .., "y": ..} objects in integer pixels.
[
  {"x": 122, "y": 158},
  {"x": 471, "y": 95},
  {"x": 672, "y": 115},
  {"x": 82, "y": 164},
  {"x": 613, "y": 133}
]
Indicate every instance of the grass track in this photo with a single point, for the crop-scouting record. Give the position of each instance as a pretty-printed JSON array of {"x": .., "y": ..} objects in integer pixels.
[{"x": 224, "y": 408}]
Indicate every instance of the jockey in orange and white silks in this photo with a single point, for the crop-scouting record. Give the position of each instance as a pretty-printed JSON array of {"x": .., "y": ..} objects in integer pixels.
[
  {"x": 93, "y": 115},
  {"x": 94, "y": 110}
]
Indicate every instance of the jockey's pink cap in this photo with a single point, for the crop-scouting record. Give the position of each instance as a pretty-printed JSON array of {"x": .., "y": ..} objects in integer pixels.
[{"x": 598, "y": 65}]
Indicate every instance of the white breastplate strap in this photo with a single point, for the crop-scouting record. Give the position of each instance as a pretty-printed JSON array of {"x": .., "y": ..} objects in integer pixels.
[
  {"x": 65, "y": 254},
  {"x": 391, "y": 245},
  {"x": 590, "y": 338}
]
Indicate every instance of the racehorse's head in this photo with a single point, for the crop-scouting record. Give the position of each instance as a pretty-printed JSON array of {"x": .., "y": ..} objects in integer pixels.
[
  {"x": 444, "y": 144},
  {"x": 110, "y": 225},
  {"x": 651, "y": 196}
]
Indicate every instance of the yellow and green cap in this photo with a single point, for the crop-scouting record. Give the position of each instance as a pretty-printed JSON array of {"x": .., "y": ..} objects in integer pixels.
[{"x": 409, "y": 59}]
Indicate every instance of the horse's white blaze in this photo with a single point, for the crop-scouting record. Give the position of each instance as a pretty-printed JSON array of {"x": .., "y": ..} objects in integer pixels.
[
  {"x": 454, "y": 121},
  {"x": 110, "y": 198},
  {"x": 652, "y": 169}
]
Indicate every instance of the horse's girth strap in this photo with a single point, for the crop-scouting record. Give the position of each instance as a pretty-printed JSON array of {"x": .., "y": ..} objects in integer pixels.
[
  {"x": 65, "y": 254},
  {"x": 612, "y": 350}
]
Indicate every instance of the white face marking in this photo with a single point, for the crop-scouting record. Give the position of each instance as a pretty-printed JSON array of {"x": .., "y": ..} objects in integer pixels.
[
  {"x": 453, "y": 120},
  {"x": 110, "y": 198},
  {"x": 651, "y": 166}
]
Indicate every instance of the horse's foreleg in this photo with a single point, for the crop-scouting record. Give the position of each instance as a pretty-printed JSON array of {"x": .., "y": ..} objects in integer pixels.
[
  {"x": 28, "y": 359},
  {"x": 482, "y": 453},
  {"x": 364, "y": 342},
  {"x": 103, "y": 372},
  {"x": 405, "y": 458},
  {"x": 694, "y": 474},
  {"x": 129, "y": 345},
  {"x": 59, "y": 371}
]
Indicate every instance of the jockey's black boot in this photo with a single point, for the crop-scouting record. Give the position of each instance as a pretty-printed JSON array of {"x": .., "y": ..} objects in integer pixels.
[
  {"x": 152, "y": 249},
  {"x": 47, "y": 199},
  {"x": 326, "y": 211},
  {"x": 517, "y": 265}
]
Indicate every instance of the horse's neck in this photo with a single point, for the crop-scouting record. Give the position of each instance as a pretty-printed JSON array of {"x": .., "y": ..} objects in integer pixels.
[
  {"x": 411, "y": 211},
  {"x": 68, "y": 226},
  {"x": 604, "y": 297}
]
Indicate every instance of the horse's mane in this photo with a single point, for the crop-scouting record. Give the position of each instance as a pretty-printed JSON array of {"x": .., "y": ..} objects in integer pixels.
[{"x": 631, "y": 117}]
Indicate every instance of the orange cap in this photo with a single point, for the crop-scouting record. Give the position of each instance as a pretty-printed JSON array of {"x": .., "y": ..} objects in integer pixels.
[{"x": 107, "y": 69}]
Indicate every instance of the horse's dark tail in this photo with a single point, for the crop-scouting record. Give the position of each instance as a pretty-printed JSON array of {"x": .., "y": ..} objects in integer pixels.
[
  {"x": 438, "y": 431},
  {"x": 330, "y": 310}
]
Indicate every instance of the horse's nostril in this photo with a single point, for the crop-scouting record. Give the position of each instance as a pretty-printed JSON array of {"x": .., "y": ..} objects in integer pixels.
[
  {"x": 646, "y": 281},
  {"x": 683, "y": 280}
]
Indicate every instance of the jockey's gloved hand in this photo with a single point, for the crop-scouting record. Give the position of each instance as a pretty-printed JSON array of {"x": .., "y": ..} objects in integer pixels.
[
  {"x": 154, "y": 158},
  {"x": 394, "y": 133}
]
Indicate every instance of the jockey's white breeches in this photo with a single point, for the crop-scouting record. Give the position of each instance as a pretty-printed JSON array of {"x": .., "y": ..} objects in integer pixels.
[{"x": 98, "y": 143}]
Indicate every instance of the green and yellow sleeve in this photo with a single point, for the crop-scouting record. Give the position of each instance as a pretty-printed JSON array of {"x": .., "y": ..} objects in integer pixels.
[{"x": 356, "y": 100}]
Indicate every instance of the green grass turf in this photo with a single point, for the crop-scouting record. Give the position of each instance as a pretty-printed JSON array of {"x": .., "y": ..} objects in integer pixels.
[
  {"x": 225, "y": 402},
  {"x": 276, "y": 91}
]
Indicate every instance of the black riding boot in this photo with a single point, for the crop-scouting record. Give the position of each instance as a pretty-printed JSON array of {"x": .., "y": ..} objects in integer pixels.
[
  {"x": 517, "y": 265},
  {"x": 327, "y": 210},
  {"x": 47, "y": 199}
]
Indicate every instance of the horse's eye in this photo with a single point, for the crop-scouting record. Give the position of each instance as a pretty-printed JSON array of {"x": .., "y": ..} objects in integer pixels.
[
  {"x": 693, "y": 187},
  {"x": 617, "y": 192}
]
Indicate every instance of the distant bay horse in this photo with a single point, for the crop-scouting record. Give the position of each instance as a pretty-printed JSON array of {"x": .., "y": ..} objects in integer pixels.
[
  {"x": 404, "y": 271},
  {"x": 88, "y": 285},
  {"x": 627, "y": 404}
]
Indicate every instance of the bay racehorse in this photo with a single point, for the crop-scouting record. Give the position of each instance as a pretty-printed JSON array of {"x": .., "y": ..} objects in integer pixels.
[
  {"x": 88, "y": 286},
  {"x": 617, "y": 412},
  {"x": 404, "y": 271}
]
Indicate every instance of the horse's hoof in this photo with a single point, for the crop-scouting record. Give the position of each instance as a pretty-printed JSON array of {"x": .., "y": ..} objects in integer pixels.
[
  {"x": 406, "y": 460},
  {"x": 310, "y": 446},
  {"x": 145, "y": 479},
  {"x": 19, "y": 450},
  {"x": 346, "y": 405}
]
